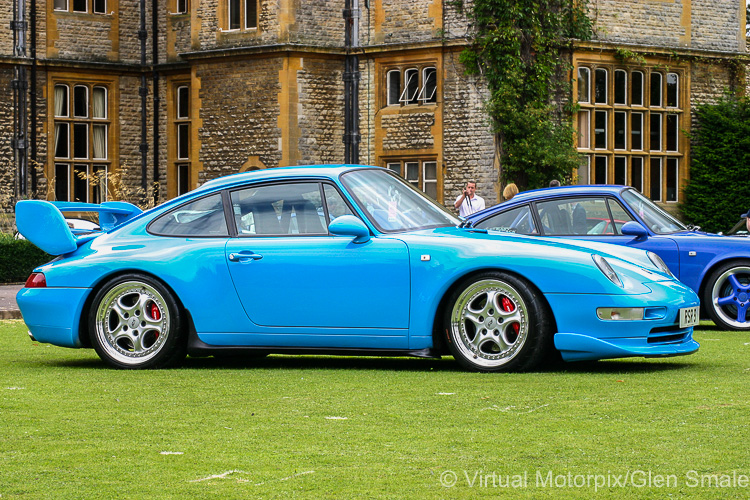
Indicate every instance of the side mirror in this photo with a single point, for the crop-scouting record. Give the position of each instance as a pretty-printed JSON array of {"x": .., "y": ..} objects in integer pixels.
[
  {"x": 633, "y": 228},
  {"x": 349, "y": 225}
]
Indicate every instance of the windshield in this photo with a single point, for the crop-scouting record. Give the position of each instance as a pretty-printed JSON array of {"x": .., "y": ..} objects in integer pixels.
[
  {"x": 654, "y": 217},
  {"x": 393, "y": 204}
]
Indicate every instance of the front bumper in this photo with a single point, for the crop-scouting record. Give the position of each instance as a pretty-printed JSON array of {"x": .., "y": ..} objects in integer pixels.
[{"x": 583, "y": 336}]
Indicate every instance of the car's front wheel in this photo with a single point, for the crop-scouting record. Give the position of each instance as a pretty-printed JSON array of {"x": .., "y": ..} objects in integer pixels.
[
  {"x": 497, "y": 322},
  {"x": 135, "y": 322},
  {"x": 726, "y": 295}
]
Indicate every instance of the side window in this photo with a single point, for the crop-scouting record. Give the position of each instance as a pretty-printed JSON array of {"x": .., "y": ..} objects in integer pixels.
[
  {"x": 620, "y": 216},
  {"x": 279, "y": 209},
  {"x": 335, "y": 203},
  {"x": 203, "y": 217},
  {"x": 573, "y": 216},
  {"x": 517, "y": 220}
]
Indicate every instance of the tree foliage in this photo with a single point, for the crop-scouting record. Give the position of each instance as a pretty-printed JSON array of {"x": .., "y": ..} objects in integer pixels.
[
  {"x": 519, "y": 48},
  {"x": 719, "y": 188}
]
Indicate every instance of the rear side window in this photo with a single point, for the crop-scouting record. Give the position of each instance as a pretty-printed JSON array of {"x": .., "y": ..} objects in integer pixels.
[
  {"x": 203, "y": 217},
  {"x": 517, "y": 220}
]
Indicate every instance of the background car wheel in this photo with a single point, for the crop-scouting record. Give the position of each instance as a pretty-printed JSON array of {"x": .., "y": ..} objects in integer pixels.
[
  {"x": 727, "y": 295},
  {"x": 135, "y": 322},
  {"x": 497, "y": 322}
]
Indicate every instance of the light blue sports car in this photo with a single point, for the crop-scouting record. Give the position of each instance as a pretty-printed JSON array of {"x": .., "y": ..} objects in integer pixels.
[{"x": 338, "y": 259}]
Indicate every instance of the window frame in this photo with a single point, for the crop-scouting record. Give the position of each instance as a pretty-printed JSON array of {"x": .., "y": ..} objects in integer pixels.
[
  {"x": 87, "y": 141},
  {"x": 410, "y": 84},
  {"x": 399, "y": 166},
  {"x": 651, "y": 130}
]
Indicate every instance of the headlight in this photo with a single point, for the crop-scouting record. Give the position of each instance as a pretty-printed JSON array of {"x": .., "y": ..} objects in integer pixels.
[
  {"x": 659, "y": 263},
  {"x": 607, "y": 270}
]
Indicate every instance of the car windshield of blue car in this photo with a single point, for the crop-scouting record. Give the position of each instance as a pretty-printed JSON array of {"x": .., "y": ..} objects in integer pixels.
[
  {"x": 394, "y": 205},
  {"x": 654, "y": 217}
]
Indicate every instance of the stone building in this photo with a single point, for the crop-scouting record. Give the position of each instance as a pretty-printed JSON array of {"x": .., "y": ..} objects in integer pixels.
[{"x": 105, "y": 98}]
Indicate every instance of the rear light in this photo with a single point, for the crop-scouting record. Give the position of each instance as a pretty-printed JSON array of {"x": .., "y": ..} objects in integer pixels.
[{"x": 36, "y": 280}]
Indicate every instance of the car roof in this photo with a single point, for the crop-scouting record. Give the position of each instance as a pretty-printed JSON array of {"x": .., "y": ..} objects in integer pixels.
[
  {"x": 553, "y": 192},
  {"x": 329, "y": 170},
  {"x": 610, "y": 189}
]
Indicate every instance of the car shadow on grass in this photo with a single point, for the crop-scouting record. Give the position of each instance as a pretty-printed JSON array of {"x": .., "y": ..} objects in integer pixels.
[{"x": 398, "y": 364}]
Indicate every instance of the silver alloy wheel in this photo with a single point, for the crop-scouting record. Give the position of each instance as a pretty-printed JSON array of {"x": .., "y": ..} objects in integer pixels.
[
  {"x": 730, "y": 297},
  {"x": 489, "y": 323},
  {"x": 132, "y": 322}
]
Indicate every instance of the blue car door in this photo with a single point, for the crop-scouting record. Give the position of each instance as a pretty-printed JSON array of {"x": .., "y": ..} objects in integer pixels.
[
  {"x": 290, "y": 273},
  {"x": 599, "y": 218}
]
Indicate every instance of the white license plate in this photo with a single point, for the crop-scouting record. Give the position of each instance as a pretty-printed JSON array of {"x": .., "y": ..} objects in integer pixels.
[{"x": 689, "y": 316}]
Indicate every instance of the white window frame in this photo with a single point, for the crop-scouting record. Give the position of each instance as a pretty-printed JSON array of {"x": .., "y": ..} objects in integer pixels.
[
  {"x": 625, "y": 166},
  {"x": 388, "y": 81},
  {"x": 633, "y": 120},
  {"x": 106, "y": 103},
  {"x": 584, "y": 121},
  {"x": 606, "y": 85},
  {"x": 606, "y": 129},
  {"x": 660, "y": 122},
  {"x": 422, "y": 96},
  {"x": 651, "y": 177},
  {"x": 86, "y": 103},
  {"x": 409, "y": 74},
  {"x": 625, "y": 132},
  {"x": 633, "y": 102},
  {"x": 677, "y": 91},
  {"x": 606, "y": 170},
  {"x": 587, "y": 70},
  {"x": 625, "y": 92},
  {"x": 425, "y": 180},
  {"x": 660, "y": 87},
  {"x": 246, "y": 18},
  {"x": 178, "y": 93}
]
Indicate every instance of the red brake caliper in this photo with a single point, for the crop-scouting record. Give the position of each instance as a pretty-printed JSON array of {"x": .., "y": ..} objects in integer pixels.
[
  {"x": 508, "y": 307},
  {"x": 155, "y": 313}
]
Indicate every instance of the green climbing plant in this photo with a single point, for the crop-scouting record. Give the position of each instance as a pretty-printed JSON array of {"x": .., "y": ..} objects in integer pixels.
[{"x": 520, "y": 48}]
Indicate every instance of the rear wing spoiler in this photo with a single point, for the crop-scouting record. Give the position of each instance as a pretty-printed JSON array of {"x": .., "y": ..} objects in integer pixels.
[{"x": 43, "y": 224}]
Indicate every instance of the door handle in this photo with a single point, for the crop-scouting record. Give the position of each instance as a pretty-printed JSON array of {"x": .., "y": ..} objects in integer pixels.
[{"x": 244, "y": 256}]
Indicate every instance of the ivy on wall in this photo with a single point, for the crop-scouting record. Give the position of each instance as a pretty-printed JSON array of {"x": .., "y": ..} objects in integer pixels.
[{"x": 520, "y": 48}]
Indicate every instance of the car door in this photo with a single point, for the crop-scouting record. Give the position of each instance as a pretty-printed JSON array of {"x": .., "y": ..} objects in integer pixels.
[
  {"x": 289, "y": 272},
  {"x": 599, "y": 218}
]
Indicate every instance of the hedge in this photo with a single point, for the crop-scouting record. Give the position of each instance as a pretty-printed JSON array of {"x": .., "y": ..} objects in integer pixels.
[
  {"x": 18, "y": 258},
  {"x": 719, "y": 188}
]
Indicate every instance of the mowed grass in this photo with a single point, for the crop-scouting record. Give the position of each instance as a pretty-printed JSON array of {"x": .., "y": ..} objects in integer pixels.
[{"x": 327, "y": 427}]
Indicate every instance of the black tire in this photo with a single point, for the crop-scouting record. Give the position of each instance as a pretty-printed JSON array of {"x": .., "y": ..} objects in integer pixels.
[
  {"x": 496, "y": 322},
  {"x": 726, "y": 295},
  {"x": 135, "y": 322}
]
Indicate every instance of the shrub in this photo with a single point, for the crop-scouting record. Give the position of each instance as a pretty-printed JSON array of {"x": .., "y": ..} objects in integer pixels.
[
  {"x": 719, "y": 190},
  {"x": 18, "y": 258}
]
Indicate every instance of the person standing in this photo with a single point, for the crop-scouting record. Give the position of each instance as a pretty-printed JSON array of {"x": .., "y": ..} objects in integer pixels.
[
  {"x": 510, "y": 191},
  {"x": 469, "y": 202}
]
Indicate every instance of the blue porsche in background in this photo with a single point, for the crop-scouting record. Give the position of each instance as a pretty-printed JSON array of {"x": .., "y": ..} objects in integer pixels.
[
  {"x": 338, "y": 259},
  {"x": 716, "y": 267}
]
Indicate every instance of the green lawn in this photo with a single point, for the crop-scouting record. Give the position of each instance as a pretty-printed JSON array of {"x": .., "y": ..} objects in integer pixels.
[{"x": 325, "y": 427}]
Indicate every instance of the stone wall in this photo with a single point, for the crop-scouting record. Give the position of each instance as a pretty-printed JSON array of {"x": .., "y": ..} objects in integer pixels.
[
  {"x": 7, "y": 164},
  {"x": 321, "y": 120},
  {"x": 318, "y": 23},
  {"x": 468, "y": 143},
  {"x": 708, "y": 25},
  {"x": 240, "y": 112},
  {"x": 408, "y": 131},
  {"x": 396, "y": 21}
]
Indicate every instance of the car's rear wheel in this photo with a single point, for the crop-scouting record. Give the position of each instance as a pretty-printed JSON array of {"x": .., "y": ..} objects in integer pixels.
[
  {"x": 727, "y": 295},
  {"x": 135, "y": 322},
  {"x": 497, "y": 322}
]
